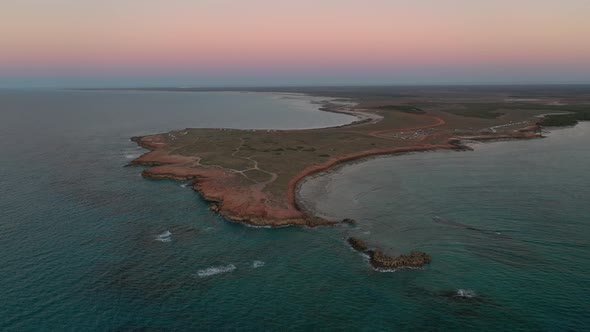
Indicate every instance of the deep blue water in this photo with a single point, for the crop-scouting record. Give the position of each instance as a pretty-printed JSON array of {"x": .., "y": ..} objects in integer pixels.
[{"x": 84, "y": 246}]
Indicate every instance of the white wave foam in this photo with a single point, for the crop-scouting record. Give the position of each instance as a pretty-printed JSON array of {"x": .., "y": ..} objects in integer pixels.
[
  {"x": 164, "y": 237},
  {"x": 255, "y": 226},
  {"x": 396, "y": 270},
  {"x": 257, "y": 264},
  {"x": 215, "y": 270},
  {"x": 465, "y": 293},
  {"x": 131, "y": 156}
]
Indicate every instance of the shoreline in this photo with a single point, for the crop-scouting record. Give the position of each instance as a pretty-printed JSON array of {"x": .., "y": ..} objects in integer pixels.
[
  {"x": 196, "y": 180},
  {"x": 454, "y": 144},
  {"x": 295, "y": 213},
  {"x": 457, "y": 145}
]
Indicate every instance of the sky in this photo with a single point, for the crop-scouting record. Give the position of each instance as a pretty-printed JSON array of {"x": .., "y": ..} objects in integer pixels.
[{"x": 68, "y": 43}]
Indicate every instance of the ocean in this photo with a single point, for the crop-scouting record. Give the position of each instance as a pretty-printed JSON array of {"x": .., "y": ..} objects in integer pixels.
[{"x": 90, "y": 245}]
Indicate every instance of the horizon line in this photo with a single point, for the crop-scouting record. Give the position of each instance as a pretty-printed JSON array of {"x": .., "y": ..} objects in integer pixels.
[{"x": 294, "y": 85}]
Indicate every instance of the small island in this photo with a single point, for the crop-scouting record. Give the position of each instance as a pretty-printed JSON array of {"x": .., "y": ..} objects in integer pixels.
[{"x": 252, "y": 176}]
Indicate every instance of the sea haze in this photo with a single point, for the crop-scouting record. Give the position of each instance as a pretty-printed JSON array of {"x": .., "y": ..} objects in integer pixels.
[{"x": 90, "y": 244}]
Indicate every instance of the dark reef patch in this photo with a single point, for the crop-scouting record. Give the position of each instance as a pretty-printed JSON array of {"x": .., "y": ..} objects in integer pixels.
[{"x": 382, "y": 261}]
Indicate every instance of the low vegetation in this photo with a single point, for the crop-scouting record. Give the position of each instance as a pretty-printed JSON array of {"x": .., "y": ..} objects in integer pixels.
[
  {"x": 495, "y": 110},
  {"x": 562, "y": 120},
  {"x": 476, "y": 110},
  {"x": 402, "y": 108}
]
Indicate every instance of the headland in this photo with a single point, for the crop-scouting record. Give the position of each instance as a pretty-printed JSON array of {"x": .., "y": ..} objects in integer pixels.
[{"x": 251, "y": 176}]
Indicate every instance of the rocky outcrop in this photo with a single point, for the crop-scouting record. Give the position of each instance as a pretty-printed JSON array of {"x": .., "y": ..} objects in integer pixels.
[
  {"x": 380, "y": 260},
  {"x": 357, "y": 244},
  {"x": 348, "y": 221}
]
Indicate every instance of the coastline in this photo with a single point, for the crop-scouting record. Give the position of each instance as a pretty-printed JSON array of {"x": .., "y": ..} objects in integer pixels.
[
  {"x": 199, "y": 181},
  {"x": 454, "y": 144},
  {"x": 295, "y": 214}
]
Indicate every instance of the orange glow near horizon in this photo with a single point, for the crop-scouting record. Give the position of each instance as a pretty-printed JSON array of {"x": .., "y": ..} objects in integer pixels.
[{"x": 181, "y": 34}]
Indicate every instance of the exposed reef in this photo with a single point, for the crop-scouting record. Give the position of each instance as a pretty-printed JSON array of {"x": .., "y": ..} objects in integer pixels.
[
  {"x": 381, "y": 261},
  {"x": 357, "y": 244},
  {"x": 348, "y": 221},
  {"x": 415, "y": 259}
]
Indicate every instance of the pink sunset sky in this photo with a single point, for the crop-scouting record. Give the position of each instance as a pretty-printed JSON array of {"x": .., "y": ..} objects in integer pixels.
[{"x": 217, "y": 42}]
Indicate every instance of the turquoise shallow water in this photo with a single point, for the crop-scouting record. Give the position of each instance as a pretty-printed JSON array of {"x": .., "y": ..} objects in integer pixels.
[{"x": 85, "y": 247}]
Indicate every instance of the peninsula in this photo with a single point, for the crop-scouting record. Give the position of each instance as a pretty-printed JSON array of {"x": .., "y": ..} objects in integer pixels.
[{"x": 252, "y": 176}]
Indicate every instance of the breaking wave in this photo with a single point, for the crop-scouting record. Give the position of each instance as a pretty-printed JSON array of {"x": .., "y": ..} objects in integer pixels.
[
  {"x": 215, "y": 270},
  {"x": 257, "y": 264},
  {"x": 164, "y": 237},
  {"x": 465, "y": 293}
]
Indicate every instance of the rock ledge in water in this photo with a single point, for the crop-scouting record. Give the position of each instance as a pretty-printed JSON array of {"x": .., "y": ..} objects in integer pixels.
[
  {"x": 357, "y": 244},
  {"x": 348, "y": 221},
  {"x": 380, "y": 260}
]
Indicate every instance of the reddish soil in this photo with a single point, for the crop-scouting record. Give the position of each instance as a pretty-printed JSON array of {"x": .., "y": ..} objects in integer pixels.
[{"x": 245, "y": 202}]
